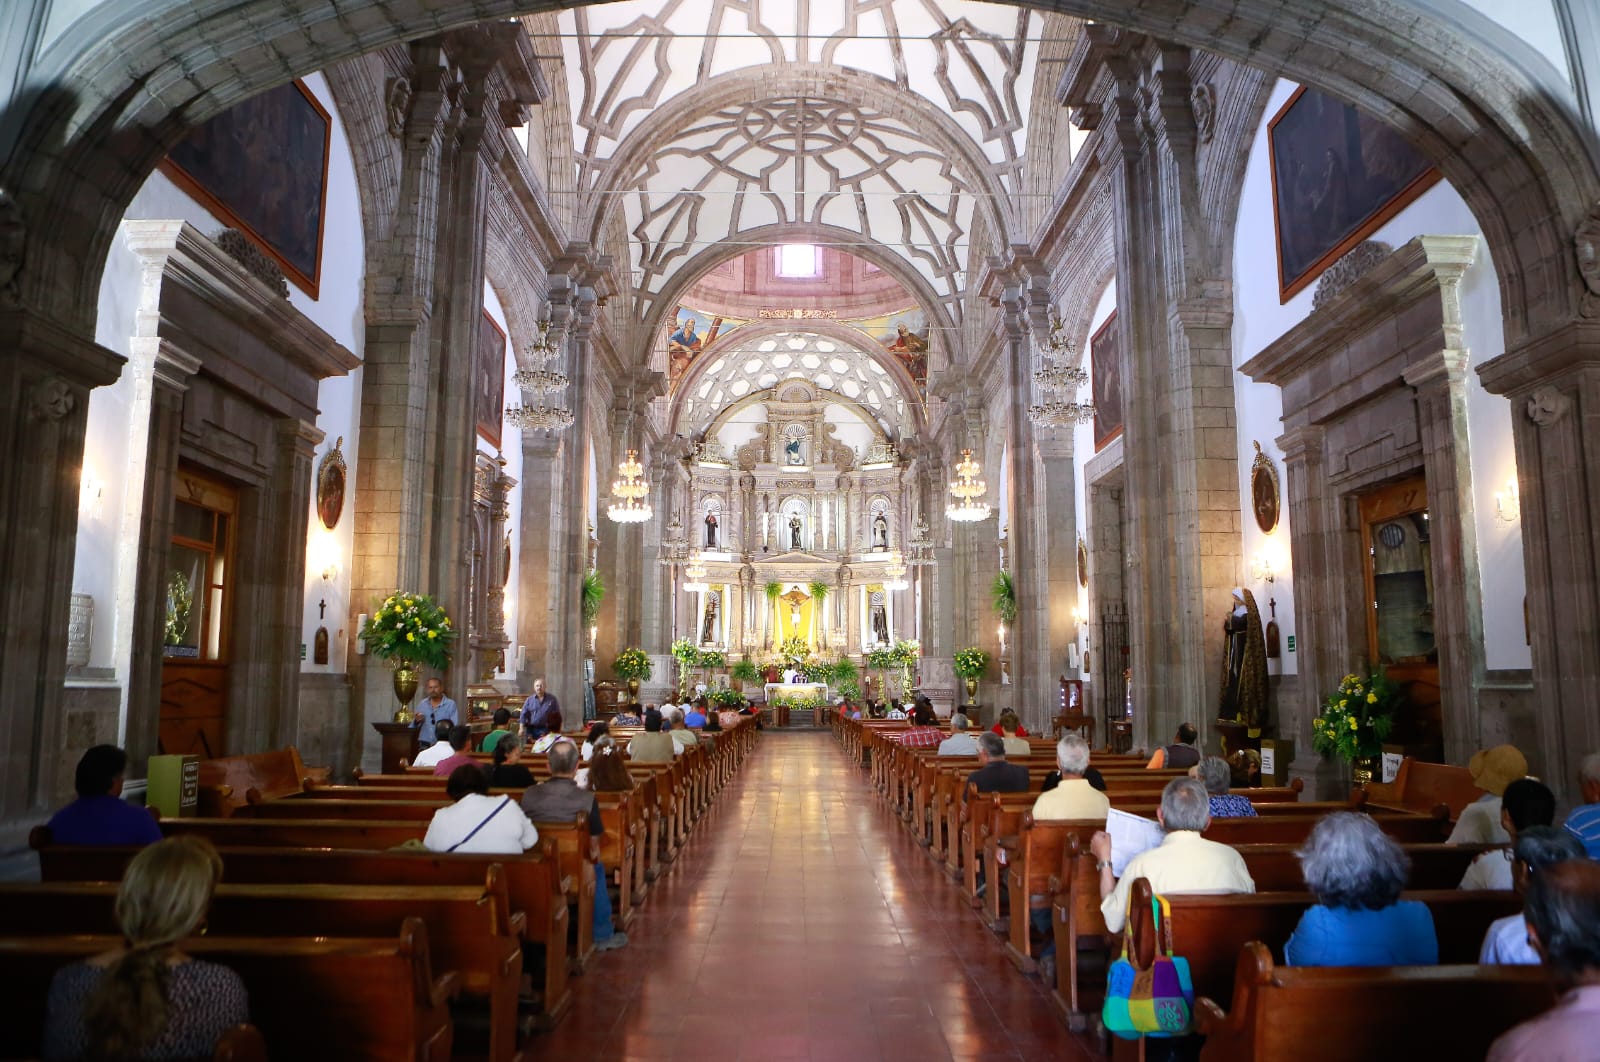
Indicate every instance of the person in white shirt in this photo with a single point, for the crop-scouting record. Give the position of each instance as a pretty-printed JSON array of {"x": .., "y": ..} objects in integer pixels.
[
  {"x": 597, "y": 731},
  {"x": 430, "y": 756},
  {"x": 1184, "y": 862},
  {"x": 1525, "y": 804},
  {"x": 1074, "y": 797},
  {"x": 477, "y": 822},
  {"x": 1492, "y": 770},
  {"x": 960, "y": 742},
  {"x": 1538, "y": 847}
]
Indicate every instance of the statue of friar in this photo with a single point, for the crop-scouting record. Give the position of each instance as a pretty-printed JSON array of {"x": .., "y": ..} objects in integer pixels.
[{"x": 1244, "y": 665}]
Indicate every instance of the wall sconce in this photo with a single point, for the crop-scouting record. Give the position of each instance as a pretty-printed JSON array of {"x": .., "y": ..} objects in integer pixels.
[
  {"x": 91, "y": 491},
  {"x": 1002, "y": 639},
  {"x": 1261, "y": 569},
  {"x": 330, "y": 573},
  {"x": 1508, "y": 502}
]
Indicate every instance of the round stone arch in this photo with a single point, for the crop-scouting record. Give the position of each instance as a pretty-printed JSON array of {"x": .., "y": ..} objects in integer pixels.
[
  {"x": 110, "y": 95},
  {"x": 810, "y": 80},
  {"x": 916, "y": 422},
  {"x": 756, "y": 398}
]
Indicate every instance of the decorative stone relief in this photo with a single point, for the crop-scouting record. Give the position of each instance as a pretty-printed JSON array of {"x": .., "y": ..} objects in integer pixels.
[
  {"x": 80, "y": 630},
  {"x": 1203, "y": 99},
  {"x": 13, "y": 248},
  {"x": 1546, "y": 406},
  {"x": 51, "y": 399},
  {"x": 397, "y": 104},
  {"x": 1586, "y": 242},
  {"x": 257, "y": 263},
  {"x": 1349, "y": 269}
]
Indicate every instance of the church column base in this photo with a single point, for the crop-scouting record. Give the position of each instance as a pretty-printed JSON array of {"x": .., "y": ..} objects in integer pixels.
[{"x": 1324, "y": 779}]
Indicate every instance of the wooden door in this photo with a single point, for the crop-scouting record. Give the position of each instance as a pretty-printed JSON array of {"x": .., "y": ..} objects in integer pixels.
[
  {"x": 1396, "y": 548},
  {"x": 195, "y": 635}
]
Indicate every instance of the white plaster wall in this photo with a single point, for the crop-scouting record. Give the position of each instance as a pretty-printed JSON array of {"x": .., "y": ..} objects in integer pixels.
[
  {"x": 511, "y": 450},
  {"x": 337, "y": 311},
  {"x": 1259, "y": 319},
  {"x": 1082, "y": 454}
]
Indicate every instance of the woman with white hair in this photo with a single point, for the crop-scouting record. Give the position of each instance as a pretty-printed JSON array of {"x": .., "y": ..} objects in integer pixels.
[
  {"x": 1357, "y": 873},
  {"x": 1216, "y": 774},
  {"x": 1073, "y": 797}
]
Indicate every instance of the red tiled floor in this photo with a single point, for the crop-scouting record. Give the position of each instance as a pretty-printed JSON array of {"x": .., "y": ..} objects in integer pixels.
[{"x": 804, "y": 923}]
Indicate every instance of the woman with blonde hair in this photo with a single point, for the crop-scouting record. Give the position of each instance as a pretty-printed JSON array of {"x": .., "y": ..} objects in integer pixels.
[{"x": 147, "y": 999}]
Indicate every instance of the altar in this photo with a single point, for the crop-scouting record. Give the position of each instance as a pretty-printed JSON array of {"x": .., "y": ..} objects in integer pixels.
[{"x": 803, "y": 694}]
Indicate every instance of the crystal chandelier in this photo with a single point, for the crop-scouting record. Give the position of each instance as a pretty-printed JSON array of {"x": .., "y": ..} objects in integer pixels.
[
  {"x": 1058, "y": 379},
  {"x": 894, "y": 572},
  {"x": 632, "y": 493},
  {"x": 694, "y": 573},
  {"x": 540, "y": 380},
  {"x": 967, "y": 491}
]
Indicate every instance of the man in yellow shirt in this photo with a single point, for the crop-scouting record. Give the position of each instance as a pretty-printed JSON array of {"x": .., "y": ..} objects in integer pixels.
[
  {"x": 1184, "y": 862},
  {"x": 1074, "y": 798}
]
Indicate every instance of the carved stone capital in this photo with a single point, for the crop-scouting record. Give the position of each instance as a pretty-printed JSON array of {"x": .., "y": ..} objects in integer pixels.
[
  {"x": 1546, "y": 406},
  {"x": 51, "y": 399}
]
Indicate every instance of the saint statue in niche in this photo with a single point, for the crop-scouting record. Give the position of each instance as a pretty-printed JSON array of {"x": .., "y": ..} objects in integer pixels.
[
  {"x": 1244, "y": 665},
  {"x": 880, "y": 625},
  {"x": 880, "y": 532},
  {"x": 708, "y": 630},
  {"x": 791, "y": 451},
  {"x": 711, "y": 530},
  {"x": 794, "y": 532}
]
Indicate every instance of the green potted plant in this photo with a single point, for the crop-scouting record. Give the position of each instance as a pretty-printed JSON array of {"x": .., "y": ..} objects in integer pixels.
[
  {"x": 773, "y": 591},
  {"x": 970, "y": 664},
  {"x": 1003, "y": 592},
  {"x": 882, "y": 660},
  {"x": 711, "y": 659},
  {"x": 1355, "y": 720},
  {"x": 727, "y": 697},
  {"x": 633, "y": 666},
  {"x": 410, "y": 631},
  {"x": 687, "y": 654},
  {"x": 744, "y": 671},
  {"x": 907, "y": 652},
  {"x": 592, "y": 592},
  {"x": 819, "y": 596}
]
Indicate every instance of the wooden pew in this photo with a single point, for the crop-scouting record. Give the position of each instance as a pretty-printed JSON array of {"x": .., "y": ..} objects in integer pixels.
[
  {"x": 1423, "y": 787},
  {"x": 533, "y": 885},
  {"x": 1209, "y": 931},
  {"x": 471, "y": 929},
  {"x": 351, "y": 998},
  {"x": 226, "y": 783},
  {"x": 1331, "y": 1014}
]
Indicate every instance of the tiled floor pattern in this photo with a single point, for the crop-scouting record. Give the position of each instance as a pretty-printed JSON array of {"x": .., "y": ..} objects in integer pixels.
[{"x": 805, "y": 923}]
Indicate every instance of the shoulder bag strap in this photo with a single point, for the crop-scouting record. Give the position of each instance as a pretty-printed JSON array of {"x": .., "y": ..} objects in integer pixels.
[{"x": 497, "y": 809}]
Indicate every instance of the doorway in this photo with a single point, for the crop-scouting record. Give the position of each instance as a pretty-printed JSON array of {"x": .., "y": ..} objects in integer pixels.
[{"x": 195, "y": 632}]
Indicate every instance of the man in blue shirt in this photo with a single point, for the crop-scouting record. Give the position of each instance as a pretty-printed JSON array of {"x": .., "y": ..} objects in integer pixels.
[
  {"x": 1584, "y": 822},
  {"x": 100, "y": 816},
  {"x": 435, "y": 708},
  {"x": 541, "y": 713},
  {"x": 696, "y": 717}
]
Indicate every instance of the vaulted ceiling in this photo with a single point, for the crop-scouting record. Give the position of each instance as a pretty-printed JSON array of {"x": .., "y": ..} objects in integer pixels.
[{"x": 897, "y": 122}]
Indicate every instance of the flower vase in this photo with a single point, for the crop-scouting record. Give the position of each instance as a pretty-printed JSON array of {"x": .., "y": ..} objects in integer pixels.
[
  {"x": 972, "y": 693},
  {"x": 633, "y": 691},
  {"x": 405, "y": 688},
  {"x": 1363, "y": 769}
]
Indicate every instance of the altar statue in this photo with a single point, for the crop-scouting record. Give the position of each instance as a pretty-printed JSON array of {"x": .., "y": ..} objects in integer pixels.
[
  {"x": 1244, "y": 665},
  {"x": 794, "y": 532},
  {"x": 880, "y": 624},
  {"x": 791, "y": 451},
  {"x": 711, "y": 530},
  {"x": 794, "y": 616},
  {"x": 709, "y": 629},
  {"x": 880, "y": 532}
]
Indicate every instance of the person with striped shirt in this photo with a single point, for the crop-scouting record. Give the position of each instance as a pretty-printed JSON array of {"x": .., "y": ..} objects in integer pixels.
[{"x": 1584, "y": 821}]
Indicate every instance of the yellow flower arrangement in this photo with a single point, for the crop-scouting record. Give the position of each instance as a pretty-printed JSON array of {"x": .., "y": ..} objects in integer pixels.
[{"x": 1359, "y": 731}]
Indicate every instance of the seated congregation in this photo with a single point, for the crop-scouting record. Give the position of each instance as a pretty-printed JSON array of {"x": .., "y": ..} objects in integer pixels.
[
  {"x": 1181, "y": 910},
  {"x": 435, "y": 913}
]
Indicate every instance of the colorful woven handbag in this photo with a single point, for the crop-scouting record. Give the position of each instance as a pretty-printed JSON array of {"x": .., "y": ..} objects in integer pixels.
[{"x": 1158, "y": 1001}]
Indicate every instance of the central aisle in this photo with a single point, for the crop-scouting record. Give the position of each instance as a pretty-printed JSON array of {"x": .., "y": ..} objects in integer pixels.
[{"x": 803, "y": 922}]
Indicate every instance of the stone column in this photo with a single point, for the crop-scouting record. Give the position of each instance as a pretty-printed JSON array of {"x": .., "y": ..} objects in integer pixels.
[
  {"x": 1554, "y": 388},
  {"x": 264, "y": 703},
  {"x": 46, "y": 375}
]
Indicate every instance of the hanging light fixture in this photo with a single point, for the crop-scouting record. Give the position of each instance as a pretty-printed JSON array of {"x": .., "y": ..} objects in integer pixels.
[
  {"x": 539, "y": 379},
  {"x": 694, "y": 574},
  {"x": 1058, "y": 378},
  {"x": 966, "y": 492},
  {"x": 894, "y": 572},
  {"x": 632, "y": 493}
]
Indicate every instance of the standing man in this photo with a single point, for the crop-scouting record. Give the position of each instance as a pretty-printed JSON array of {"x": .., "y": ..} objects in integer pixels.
[
  {"x": 435, "y": 708},
  {"x": 541, "y": 713}
]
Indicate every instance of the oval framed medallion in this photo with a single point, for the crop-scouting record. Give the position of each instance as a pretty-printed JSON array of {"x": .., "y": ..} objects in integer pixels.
[
  {"x": 330, "y": 485},
  {"x": 1264, "y": 499},
  {"x": 1083, "y": 562}
]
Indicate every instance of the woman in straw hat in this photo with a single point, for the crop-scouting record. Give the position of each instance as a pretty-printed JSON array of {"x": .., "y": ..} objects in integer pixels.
[{"x": 1492, "y": 770}]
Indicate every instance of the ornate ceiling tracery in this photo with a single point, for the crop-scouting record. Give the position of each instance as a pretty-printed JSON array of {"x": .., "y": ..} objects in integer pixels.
[{"x": 896, "y": 120}]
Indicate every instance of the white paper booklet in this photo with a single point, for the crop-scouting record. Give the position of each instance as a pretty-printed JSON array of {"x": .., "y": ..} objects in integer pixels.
[{"x": 1130, "y": 835}]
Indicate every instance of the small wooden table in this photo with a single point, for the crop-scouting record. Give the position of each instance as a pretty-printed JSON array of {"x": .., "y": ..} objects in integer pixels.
[{"x": 399, "y": 743}]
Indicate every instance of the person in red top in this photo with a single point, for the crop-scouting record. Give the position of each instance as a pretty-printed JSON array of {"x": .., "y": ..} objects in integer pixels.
[
  {"x": 918, "y": 737},
  {"x": 1009, "y": 725},
  {"x": 460, "y": 738}
]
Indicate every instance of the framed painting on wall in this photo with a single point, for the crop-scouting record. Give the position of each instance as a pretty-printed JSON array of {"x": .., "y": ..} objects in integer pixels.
[
  {"x": 1105, "y": 372},
  {"x": 1337, "y": 175},
  {"x": 261, "y": 166},
  {"x": 490, "y": 372}
]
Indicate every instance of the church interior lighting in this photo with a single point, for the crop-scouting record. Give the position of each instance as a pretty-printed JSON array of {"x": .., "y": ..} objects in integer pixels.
[
  {"x": 966, "y": 492},
  {"x": 632, "y": 493}
]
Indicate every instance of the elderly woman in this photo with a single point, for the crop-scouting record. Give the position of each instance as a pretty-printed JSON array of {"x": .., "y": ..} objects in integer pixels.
[
  {"x": 1563, "y": 920},
  {"x": 478, "y": 823},
  {"x": 1216, "y": 774},
  {"x": 1357, "y": 872},
  {"x": 1537, "y": 849}
]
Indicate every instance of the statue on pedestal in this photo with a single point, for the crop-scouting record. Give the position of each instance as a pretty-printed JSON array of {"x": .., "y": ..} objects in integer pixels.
[
  {"x": 880, "y": 532},
  {"x": 1244, "y": 665},
  {"x": 711, "y": 530},
  {"x": 794, "y": 532}
]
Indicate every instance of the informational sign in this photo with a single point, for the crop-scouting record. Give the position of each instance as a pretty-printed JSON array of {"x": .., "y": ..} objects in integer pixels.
[
  {"x": 1391, "y": 766},
  {"x": 1291, "y": 643},
  {"x": 1269, "y": 761}
]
